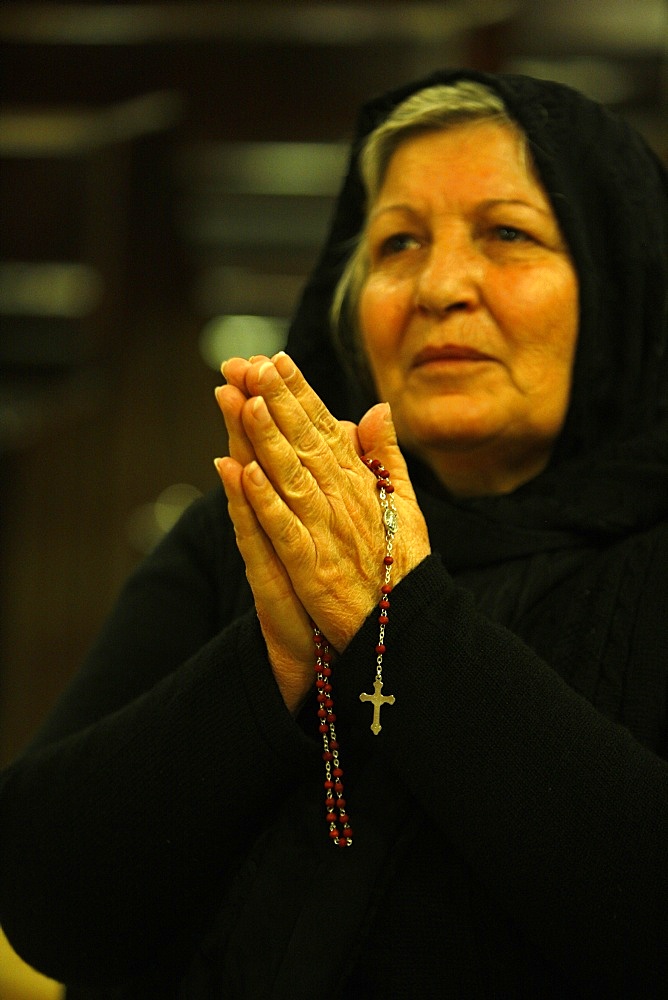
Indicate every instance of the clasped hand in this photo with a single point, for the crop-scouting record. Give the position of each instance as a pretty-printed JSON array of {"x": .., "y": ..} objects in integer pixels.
[{"x": 306, "y": 514}]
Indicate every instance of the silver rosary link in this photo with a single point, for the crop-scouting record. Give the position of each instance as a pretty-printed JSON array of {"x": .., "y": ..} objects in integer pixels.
[{"x": 390, "y": 523}]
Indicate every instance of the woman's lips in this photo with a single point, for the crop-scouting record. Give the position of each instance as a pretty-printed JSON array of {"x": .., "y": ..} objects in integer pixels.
[{"x": 448, "y": 352}]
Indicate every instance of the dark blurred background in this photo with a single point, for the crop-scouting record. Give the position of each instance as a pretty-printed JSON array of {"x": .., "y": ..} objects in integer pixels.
[{"x": 166, "y": 174}]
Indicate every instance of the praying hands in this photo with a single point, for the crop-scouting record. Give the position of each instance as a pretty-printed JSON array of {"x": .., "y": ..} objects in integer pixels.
[{"x": 306, "y": 514}]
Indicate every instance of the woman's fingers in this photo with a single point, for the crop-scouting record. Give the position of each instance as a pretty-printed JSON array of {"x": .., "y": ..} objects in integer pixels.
[
  {"x": 231, "y": 403},
  {"x": 286, "y": 531},
  {"x": 256, "y": 548},
  {"x": 313, "y": 498},
  {"x": 300, "y": 554},
  {"x": 294, "y": 405},
  {"x": 311, "y": 403},
  {"x": 231, "y": 399},
  {"x": 302, "y": 468},
  {"x": 257, "y": 376},
  {"x": 332, "y": 546},
  {"x": 235, "y": 370},
  {"x": 285, "y": 624},
  {"x": 302, "y": 431},
  {"x": 378, "y": 439}
]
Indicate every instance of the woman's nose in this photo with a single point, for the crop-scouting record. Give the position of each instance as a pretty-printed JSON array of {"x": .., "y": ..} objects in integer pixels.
[{"x": 449, "y": 280}]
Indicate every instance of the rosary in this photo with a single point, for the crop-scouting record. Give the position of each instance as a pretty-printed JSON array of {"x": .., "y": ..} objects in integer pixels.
[{"x": 340, "y": 831}]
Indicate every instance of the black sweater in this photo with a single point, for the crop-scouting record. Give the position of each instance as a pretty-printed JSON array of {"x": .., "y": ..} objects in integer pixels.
[{"x": 509, "y": 837}]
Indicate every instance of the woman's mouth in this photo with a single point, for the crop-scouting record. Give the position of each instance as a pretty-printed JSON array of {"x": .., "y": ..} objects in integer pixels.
[{"x": 448, "y": 353}]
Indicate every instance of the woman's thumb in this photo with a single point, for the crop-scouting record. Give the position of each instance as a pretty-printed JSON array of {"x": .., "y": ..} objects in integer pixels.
[
  {"x": 378, "y": 439},
  {"x": 376, "y": 430}
]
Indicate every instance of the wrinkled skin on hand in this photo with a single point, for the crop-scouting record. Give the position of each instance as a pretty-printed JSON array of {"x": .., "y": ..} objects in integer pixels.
[{"x": 306, "y": 513}]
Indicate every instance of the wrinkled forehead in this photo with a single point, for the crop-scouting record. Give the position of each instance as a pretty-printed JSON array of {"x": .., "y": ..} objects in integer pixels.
[
  {"x": 482, "y": 155},
  {"x": 376, "y": 158}
]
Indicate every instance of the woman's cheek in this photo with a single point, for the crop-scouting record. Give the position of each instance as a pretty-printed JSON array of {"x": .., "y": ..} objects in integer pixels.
[{"x": 383, "y": 310}]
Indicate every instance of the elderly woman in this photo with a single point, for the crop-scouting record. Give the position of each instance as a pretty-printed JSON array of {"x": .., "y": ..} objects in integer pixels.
[{"x": 406, "y": 738}]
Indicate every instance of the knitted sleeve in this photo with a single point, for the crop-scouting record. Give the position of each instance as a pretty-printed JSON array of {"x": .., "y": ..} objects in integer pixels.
[
  {"x": 560, "y": 812},
  {"x": 119, "y": 827}
]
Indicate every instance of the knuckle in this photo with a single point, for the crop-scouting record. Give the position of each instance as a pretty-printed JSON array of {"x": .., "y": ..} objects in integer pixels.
[
  {"x": 297, "y": 485},
  {"x": 289, "y": 535}
]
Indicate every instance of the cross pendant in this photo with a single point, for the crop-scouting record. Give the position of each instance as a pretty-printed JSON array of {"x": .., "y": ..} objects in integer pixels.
[{"x": 377, "y": 699}]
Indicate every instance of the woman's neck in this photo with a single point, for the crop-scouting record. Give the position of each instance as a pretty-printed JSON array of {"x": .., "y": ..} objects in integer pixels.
[{"x": 476, "y": 473}]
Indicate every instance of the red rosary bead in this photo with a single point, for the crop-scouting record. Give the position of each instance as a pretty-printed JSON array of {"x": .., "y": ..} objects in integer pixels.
[{"x": 339, "y": 827}]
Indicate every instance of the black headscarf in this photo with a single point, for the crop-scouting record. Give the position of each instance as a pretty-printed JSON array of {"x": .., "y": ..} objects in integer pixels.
[{"x": 608, "y": 475}]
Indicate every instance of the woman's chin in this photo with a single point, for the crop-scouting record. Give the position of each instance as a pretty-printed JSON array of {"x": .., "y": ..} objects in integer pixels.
[{"x": 446, "y": 425}]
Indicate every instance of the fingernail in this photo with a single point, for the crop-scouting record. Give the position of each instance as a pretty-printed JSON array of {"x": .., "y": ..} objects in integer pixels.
[
  {"x": 267, "y": 373},
  {"x": 255, "y": 474},
  {"x": 284, "y": 364},
  {"x": 260, "y": 411}
]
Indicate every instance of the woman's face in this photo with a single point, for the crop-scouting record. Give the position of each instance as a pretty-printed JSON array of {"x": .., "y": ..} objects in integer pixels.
[{"x": 469, "y": 311}]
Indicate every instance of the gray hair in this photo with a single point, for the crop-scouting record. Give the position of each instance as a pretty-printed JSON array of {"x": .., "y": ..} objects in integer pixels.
[{"x": 430, "y": 110}]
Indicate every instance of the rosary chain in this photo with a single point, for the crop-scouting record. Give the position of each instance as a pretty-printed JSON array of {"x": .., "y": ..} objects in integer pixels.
[{"x": 340, "y": 831}]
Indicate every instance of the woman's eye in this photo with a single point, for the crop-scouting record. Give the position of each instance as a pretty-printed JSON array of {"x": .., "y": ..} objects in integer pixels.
[
  {"x": 397, "y": 243},
  {"x": 511, "y": 234}
]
